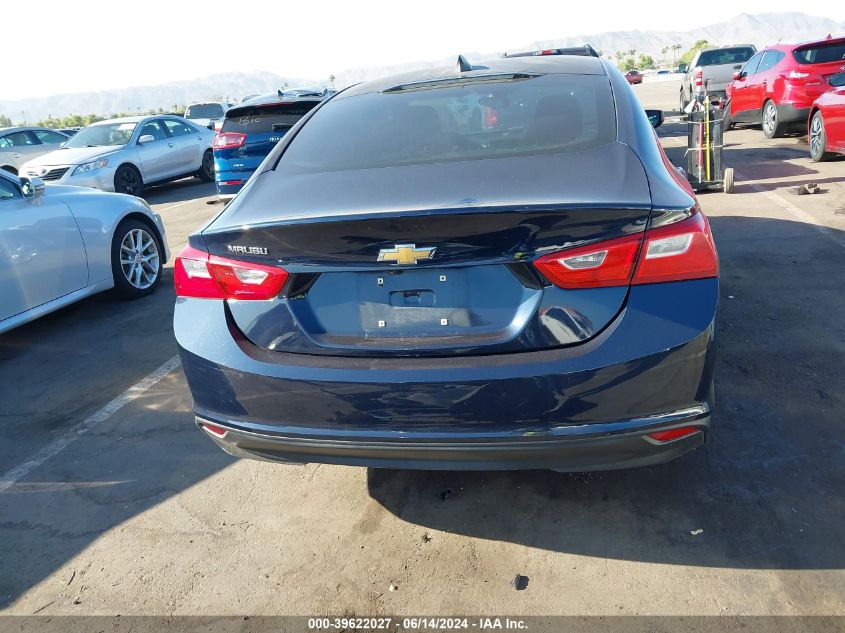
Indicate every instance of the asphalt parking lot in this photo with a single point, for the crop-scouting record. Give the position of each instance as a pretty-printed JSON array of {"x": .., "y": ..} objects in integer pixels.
[{"x": 141, "y": 514}]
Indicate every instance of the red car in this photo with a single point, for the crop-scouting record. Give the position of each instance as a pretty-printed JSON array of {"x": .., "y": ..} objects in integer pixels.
[
  {"x": 634, "y": 77},
  {"x": 826, "y": 125},
  {"x": 777, "y": 87}
]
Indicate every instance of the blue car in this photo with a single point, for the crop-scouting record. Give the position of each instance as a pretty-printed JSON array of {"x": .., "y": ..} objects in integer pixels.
[
  {"x": 251, "y": 129},
  {"x": 471, "y": 267}
]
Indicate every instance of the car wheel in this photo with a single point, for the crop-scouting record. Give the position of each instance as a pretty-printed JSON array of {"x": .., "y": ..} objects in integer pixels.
[
  {"x": 136, "y": 257},
  {"x": 206, "y": 172},
  {"x": 772, "y": 127},
  {"x": 729, "y": 180},
  {"x": 683, "y": 103},
  {"x": 128, "y": 180},
  {"x": 818, "y": 139},
  {"x": 727, "y": 123}
]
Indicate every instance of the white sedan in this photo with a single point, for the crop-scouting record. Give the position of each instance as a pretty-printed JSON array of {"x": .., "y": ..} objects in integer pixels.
[
  {"x": 127, "y": 154},
  {"x": 61, "y": 244}
]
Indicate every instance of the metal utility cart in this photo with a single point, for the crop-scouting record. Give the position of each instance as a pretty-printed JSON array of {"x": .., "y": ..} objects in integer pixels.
[{"x": 705, "y": 166}]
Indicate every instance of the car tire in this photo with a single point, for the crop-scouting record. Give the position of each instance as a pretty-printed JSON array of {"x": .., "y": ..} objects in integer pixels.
[
  {"x": 728, "y": 180},
  {"x": 818, "y": 139},
  {"x": 683, "y": 102},
  {"x": 136, "y": 259},
  {"x": 206, "y": 172},
  {"x": 127, "y": 179},
  {"x": 772, "y": 127},
  {"x": 727, "y": 122}
]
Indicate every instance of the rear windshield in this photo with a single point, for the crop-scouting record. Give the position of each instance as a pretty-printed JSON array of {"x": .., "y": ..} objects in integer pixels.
[
  {"x": 266, "y": 119},
  {"x": 821, "y": 53},
  {"x": 204, "y": 111},
  {"x": 469, "y": 121},
  {"x": 736, "y": 55}
]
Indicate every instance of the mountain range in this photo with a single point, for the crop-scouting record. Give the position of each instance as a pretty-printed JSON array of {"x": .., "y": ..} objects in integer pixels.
[{"x": 759, "y": 29}]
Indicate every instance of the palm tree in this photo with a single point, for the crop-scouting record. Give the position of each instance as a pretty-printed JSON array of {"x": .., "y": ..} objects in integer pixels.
[
  {"x": 675, "y": 49},
  {"x": 664, "y": 51}
]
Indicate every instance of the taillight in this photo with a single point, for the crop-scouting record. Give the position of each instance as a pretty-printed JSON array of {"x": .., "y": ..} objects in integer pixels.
[
  {"x": 673, "y": 434},
  {"x": 228, "y": 140},
  {"x": 797, "y": 74},
  {"x": 698, "y": 76},
  {"x": 595, "y": 266},
  {"x": 491, "y": 117},
  {"x": 684, "y": 250},
  {"x": 200, "y": 275},
  {"x": 680, "y": 251}
]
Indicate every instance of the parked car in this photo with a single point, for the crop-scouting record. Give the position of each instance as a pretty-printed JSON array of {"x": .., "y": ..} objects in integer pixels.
[
  {"x": 206, "y": 114},
  {"x": 127, "y": 154},
  {"x": 20, "y": 144},
  {"x": 70, "y": 131},
  {"x": 777, "y": 87},
  {"x": 634, "y": 77},
  {"x": 711, "y": 70},
  {"x": 490, "y": 267},
  {"x": 250, "y": 130},
  {"x": 826, "y": 124},
  {"x": 61, "y": 244}
]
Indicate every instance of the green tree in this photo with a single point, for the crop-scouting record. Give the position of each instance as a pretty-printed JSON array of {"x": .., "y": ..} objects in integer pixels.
[
  {"x": 628, "y": 64},
  {"x": 5, "y": 121},
  {"x": 686, "y": 58},
  {"x": 645, "y": 61}
]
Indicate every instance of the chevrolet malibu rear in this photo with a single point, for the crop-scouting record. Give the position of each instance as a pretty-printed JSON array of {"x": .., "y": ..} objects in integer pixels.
[{"x": 487, "y": 268}]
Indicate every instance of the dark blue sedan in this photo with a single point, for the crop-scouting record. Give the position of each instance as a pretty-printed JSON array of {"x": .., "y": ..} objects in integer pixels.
[
  {"x": 251, "y": 129},
  {"x": 490, "y": 267}
]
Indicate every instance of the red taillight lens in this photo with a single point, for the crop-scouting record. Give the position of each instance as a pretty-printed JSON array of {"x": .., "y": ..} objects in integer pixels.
[
  {"x": 216, "y": 431},
  {"x": 699, "y": 77},
  {"x": 228, "y": 140},
  {"x": 796, "y": 75},
  {"x": 673, "y": 434},
  {"x": 491, "y": 117},
  {"x": 200, "y": 275},
  {"x": 684, "y": 250},
  {"x": 595, "y": 266}
]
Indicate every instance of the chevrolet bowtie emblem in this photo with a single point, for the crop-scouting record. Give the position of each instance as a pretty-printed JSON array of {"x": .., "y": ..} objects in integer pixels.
[{"x": 405, "y": 254}]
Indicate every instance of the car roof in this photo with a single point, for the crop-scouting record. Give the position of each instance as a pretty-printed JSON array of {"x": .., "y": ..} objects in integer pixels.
[
  {"x": 719, "y": 48},
  {"x": 137, "y": 119},
  {"x": 539, "y": 64},
  {"x": 24, "y": 128},
  {"x": 789, "y": 46}
]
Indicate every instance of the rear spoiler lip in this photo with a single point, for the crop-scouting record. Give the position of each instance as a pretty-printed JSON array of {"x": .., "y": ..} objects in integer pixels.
[{"x": 839, "y": 39}]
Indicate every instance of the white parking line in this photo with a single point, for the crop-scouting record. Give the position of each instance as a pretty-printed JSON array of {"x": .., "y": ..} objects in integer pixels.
[
  {"x": 173, "y": 206},
  {"x": 795, "y": 212},
  {"x": 58, "y": 445}
]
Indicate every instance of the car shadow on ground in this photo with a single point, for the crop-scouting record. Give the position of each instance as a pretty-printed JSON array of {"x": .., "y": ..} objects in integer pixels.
[
  {"x": 179, "y": 191},
  {"x": 766, "y": 492}
]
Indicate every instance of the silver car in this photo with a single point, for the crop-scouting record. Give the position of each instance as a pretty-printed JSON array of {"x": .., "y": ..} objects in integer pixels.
[
  {"x": 21, "y": 144},
  {"x": 207, "y": 114},
  {"x": 125, "y": 155},
  {"x": 61, "y": 244}
]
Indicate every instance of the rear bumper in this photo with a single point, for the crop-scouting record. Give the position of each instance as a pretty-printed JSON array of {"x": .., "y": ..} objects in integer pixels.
[
  {"x": 790, "y": 113},
  {"x": 583, "y": 407},
  {"x": 574, "y": 449}
]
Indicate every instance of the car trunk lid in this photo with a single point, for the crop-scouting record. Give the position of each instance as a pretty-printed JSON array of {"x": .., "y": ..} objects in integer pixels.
[{"x": 376, "y": 268}]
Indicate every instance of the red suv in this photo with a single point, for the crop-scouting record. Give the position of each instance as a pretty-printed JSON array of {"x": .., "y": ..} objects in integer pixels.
[{"x": 778, "y": 85}]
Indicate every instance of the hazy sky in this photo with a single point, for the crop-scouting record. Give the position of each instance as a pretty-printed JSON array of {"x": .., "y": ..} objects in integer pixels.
[{"x": 98, "y": 44}]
